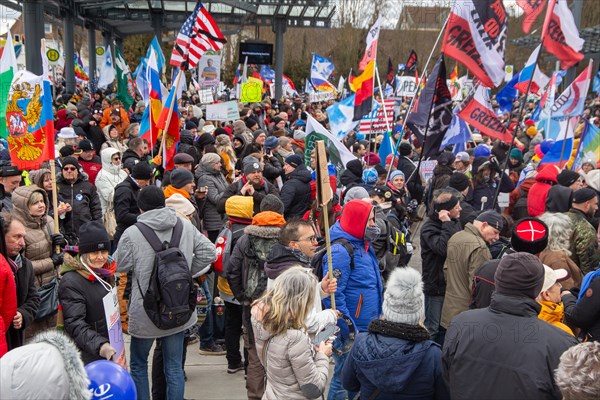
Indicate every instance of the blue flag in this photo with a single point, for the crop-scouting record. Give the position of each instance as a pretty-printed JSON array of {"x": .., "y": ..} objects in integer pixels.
[
  {"x": 340, "y": 117},
  {"x": 508, "y": 94},
  {"x": 457, "y": 134}
]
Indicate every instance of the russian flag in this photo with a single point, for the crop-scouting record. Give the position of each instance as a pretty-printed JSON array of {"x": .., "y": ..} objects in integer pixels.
[
  {"x": 531, "y": 73},
  {"x": 508, "y": 94}
]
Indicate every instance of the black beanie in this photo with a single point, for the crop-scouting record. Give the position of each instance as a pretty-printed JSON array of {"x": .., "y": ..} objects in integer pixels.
[
  {"x": 142, "y": 170},
  {"x": 459, "y": 181},
  {"x": 71, "y": 161},
  {"x": 567, "y": 177},
  {"x": 93, "y": 237},
  {"x": 529, "y": 235},
  {"x": 355, "y": 166},
  {"x": 519, "y": 274},
  {"x": 151, "y": 198}
]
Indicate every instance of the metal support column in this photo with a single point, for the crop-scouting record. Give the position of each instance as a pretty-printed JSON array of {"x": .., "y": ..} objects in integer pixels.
[
  {"x": 69, "y": 52},
  {"x": 33, "y": 19},
  {"x": 92, "y": 49},
  {"x": 279, "y": 28},
  {"x": 119, "y": 44},
  {"x": 157, "y": 25}
]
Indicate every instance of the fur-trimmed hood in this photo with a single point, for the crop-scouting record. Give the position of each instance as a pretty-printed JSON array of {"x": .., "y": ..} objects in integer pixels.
[
  {"x": 50, "y": 367},
  {"x": 265, "y": 232}
]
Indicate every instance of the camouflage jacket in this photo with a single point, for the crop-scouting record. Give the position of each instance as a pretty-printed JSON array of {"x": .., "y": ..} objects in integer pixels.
[{"x": 584, "y": 243}]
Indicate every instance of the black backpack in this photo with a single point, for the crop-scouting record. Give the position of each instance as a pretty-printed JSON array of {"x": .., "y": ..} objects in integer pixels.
[
  {"x": 316, "y": 263},
  {"x": 170, "y": 299}
]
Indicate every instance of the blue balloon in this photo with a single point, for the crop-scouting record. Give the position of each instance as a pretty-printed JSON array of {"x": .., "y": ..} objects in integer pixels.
[{"x": 109, "y": 379}]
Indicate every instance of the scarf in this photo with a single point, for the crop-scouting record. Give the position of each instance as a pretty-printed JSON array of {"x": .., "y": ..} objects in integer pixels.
[
  {"x": 170, "y": 191},
  {"x": 413, "y": 333}
]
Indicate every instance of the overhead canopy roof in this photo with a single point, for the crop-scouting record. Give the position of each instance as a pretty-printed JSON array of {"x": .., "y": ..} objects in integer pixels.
[{"x": 126, "y": 17}]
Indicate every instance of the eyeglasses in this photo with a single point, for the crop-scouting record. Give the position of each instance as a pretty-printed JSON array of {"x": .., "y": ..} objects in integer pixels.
[
  {"x": 116, "y": 158},
  {"x": 69, "y": 169},
  {"x": 312, "y": 238}
]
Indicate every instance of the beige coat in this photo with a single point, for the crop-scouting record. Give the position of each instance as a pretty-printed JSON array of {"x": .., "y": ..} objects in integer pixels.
[
  {"x": 557, "y": 259},
  {"x": 466, "y": 252},
  {"x": 38, "y": 243},
  {"x": 294, "y": 369}
]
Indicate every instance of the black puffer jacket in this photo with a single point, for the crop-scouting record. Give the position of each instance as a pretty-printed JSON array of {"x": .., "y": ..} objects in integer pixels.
[
  {"x": 585, "y": 314},
  {"x": 503, "y": 352},
  {"x": 414, "y": 185},
  {"x": 82, "y": 309},
  {"x": 28, "y": 301},
  {"x": 126, "y": 208},
  {"x": 295, "y": 193},
  {"x": 83, "y": 198},
  {"x": 282, "y": 258},
  {"x": 129, "y": 159},
  {"x": 435, "y": 235},
  {"x": 186, "y": 145}
]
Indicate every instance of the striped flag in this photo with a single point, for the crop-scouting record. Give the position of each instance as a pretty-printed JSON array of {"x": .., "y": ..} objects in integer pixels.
[{"x": 198, "y": 34}]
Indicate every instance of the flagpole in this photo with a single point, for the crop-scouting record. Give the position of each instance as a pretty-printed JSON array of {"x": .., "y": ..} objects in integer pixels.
[
  {"x": 585, "y": 128},
  {"x": 385, "y": 116},
  {"x": 562, "y": 150},
  {"x": 413, "y": 101},
  {"x": 522, "y": 105}
]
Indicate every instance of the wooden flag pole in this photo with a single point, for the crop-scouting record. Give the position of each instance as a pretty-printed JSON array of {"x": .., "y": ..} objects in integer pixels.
[
  {"x": 324, "y": 196},
  {"x": 171, "y": 106}
]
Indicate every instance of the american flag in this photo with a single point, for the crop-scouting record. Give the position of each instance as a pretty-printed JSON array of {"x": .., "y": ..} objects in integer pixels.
[{"x": 198, "y": 34}]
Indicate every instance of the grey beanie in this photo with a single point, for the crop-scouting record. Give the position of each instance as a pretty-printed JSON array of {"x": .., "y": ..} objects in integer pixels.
[
  {"x": 356, "y": 192},
  {"x": 403, "y": 300},
  {"x": 271, "y": 203},
  {"x": 251, "y": 164},
  {"x": 210, "y": 159}
]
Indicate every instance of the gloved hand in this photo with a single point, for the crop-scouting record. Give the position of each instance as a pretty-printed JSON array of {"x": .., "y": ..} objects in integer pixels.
[
  {"x": 58, "y": 240},
  {"x": 495, "y": 165},
  {"x": 157, "y": 160},
  {"x": 107, "y": 351},
  {"x": 57, "y": 259}
]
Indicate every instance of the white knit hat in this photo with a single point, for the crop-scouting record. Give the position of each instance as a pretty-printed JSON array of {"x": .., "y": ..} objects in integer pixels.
[{"x": 403, "y": 300}]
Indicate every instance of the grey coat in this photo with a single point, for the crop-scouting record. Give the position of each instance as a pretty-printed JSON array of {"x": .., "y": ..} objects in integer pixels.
[
  {"x": 216, "y": 183},
  {"x": 293, "y": 368},
  {"x": 135, "y": 254}
]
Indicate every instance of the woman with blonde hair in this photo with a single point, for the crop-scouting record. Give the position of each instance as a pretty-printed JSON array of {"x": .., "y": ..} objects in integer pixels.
[
  {"x": 557, "y": 254},
  {"x": 295, "y": 368},
  {"x": 225, "y": 150}
]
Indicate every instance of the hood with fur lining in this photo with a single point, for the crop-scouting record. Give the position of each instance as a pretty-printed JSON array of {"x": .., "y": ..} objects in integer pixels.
[{"x": 49, "y": 367}]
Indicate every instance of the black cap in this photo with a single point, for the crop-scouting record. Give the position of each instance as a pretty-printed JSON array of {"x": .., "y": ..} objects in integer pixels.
[
  {"x": 567, "y": 177},
  {"x": 493, "y": 219},
  {"x": 382, "y": 191},
  {"x": 85, "y": 145},
  {"x": 294, "y": 160},
  {"x": 10, "y": 170}
]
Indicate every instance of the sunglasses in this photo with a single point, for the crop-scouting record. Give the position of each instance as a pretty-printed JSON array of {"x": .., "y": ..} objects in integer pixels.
[
  {"x": 116, "y": 158},
  {"x": 69, "y": 169}
]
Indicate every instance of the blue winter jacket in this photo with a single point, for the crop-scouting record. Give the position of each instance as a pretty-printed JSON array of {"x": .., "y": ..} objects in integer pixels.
[
  {"x": 359, "y": 292},
  {"x": 399, "y": 368}
]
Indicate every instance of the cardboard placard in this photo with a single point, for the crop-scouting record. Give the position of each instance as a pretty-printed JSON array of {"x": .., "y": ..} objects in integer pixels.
[
  {"x": 324, "y": 194},
  {"x": 113, "y": 322}
]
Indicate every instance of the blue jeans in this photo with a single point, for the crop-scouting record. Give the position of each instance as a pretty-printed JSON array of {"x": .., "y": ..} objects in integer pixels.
[
  {"x": 433, "y": 315},
  {"x": 172, "y": 348},
  {"x": 336, "y": 390},
  {"x": 205, "y": 331}
]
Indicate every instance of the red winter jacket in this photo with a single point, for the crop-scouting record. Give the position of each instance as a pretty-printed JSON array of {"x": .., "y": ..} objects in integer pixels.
[
  {"x": 545, "y": 179},
  {"x": 8, "y": 301}
]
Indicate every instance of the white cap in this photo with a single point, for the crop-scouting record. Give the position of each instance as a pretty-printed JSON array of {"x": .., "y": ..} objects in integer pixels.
[
  {"x": 67, "y": 133},
  {"x": 551, "y": 276}
]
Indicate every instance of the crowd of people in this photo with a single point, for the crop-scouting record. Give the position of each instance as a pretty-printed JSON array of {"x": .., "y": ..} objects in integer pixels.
[{"x": 506, "y": 305}]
